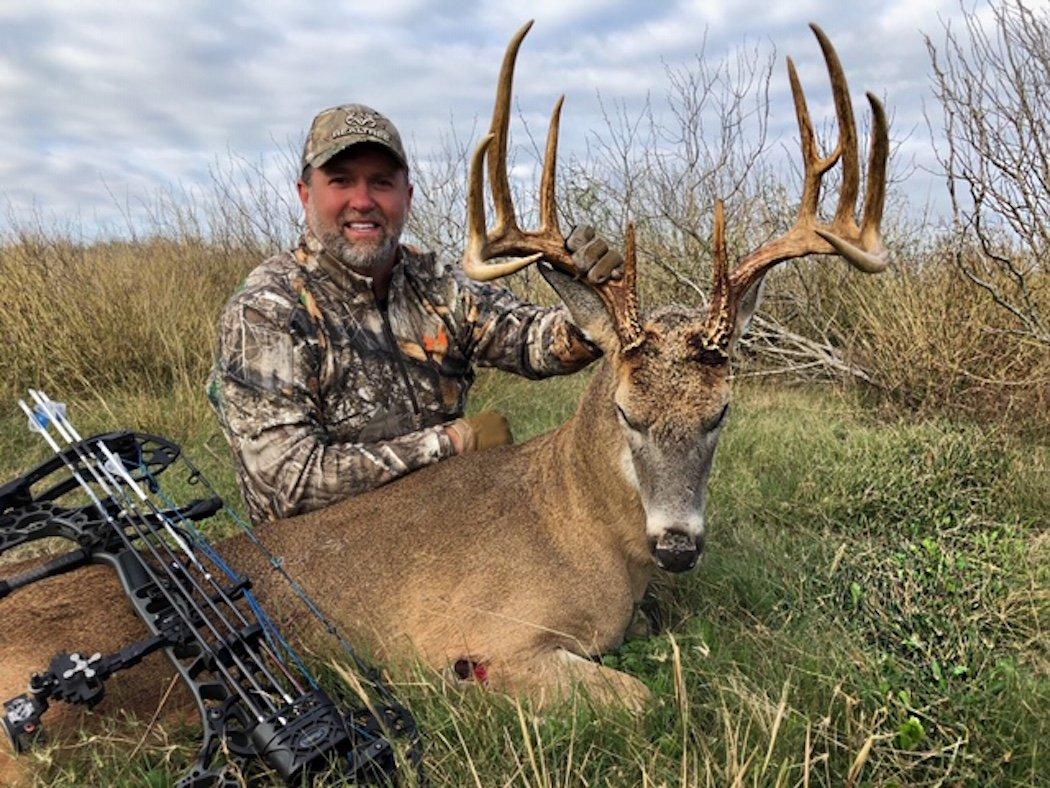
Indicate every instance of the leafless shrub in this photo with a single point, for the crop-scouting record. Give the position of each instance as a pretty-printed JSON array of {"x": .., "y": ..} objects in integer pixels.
[
  {"x": 252, "y": 204},
  {"x": 992, "y": 82},
  {"x": 665, "y": 166},
  {"x": 437, "y": 220}
]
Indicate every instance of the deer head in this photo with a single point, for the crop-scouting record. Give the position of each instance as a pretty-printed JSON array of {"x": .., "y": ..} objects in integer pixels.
[{"x": 669, "y": 374}]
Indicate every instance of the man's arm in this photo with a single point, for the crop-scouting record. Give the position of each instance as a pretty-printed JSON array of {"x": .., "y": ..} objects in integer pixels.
[
  {"x": 537, "y": 342},
  {"x": 522, "y": 338},
  {"x": 266, "y": 389}
]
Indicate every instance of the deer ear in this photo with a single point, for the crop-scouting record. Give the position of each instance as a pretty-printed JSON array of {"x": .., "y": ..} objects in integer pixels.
[
  {"x": 746, "y": 309},
  {"x": 587, "y": 310}
]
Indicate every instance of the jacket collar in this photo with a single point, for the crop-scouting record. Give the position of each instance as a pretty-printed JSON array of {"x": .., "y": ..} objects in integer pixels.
[{"x": 313, "y": 256}]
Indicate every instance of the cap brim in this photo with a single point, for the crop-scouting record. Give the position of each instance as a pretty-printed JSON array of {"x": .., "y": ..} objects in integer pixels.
[{"x": 351, "y": 141}]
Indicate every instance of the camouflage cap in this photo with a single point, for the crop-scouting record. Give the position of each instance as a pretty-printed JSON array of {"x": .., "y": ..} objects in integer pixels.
[{"x": 338, "y": 128}]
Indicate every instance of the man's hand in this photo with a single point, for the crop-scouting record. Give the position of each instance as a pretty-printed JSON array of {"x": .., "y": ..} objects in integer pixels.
[
  {"x": 482, "y": 431},
  {"x": 592, "y": 256}
]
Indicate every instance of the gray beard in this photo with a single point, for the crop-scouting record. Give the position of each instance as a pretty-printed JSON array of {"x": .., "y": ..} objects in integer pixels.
[{"x": 363, "y": 259}]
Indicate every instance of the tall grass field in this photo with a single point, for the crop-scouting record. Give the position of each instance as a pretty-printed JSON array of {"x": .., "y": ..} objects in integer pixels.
[{"x": 871, "y": 610}]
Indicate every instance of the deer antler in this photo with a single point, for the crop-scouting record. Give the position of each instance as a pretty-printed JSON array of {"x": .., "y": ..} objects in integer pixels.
[
  {"x": 525, "y": 247},
  {"x": 861, "y": 245}
]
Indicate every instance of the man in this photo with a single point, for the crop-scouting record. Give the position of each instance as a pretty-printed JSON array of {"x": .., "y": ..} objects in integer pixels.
[{"x": 345, "y": 363}]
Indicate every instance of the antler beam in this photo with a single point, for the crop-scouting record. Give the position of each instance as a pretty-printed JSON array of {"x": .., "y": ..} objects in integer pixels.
[
  {"x": 860, "y": 245},
  {"x": 525, "y": 247}
]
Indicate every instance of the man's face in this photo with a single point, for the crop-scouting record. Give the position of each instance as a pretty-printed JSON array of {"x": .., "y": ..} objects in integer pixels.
[{"x": 356, "y": 206}]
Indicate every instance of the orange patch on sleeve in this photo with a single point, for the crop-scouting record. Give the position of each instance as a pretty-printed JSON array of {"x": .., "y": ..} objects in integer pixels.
[{"x": 436, "y": 345}]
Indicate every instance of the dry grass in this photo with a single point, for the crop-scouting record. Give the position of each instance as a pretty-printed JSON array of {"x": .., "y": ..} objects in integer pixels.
[
  {"x": 113, "y": 316},
  {"x": 932, "y": 342},
  {"x": 120, "y": 317}
]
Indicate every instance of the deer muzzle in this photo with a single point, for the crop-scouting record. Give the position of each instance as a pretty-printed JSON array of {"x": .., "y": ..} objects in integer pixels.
[{"x": 675, "y": 550}]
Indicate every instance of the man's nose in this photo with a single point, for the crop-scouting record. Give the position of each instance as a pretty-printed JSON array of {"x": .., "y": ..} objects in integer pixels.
[{"x": 360, "y": 197}]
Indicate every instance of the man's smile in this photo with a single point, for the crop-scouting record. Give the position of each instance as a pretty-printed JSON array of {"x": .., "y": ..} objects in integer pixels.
[{"x": 365, "y": 230}]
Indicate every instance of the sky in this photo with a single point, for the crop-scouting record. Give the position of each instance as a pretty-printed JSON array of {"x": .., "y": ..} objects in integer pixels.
[{"x": 104, "y": 104}]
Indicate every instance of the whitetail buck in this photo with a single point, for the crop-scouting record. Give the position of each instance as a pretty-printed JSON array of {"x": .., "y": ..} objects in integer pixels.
[{"x": 528, "y": 559}]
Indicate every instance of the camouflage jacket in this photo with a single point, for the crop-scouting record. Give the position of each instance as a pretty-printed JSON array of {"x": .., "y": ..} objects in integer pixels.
[{"x": 323, "y": 393}]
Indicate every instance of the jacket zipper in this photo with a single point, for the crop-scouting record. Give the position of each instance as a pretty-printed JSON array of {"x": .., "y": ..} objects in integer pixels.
[{"x": 388, "y": 332}]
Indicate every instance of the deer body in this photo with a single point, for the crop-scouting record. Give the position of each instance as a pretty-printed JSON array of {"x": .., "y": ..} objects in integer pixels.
[
  {"x": 526, "y": 572},
  {"x": 455, "y": 561}
]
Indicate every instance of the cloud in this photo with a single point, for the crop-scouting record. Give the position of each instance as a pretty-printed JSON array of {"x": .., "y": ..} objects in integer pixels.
[
  {"x": 552, "y": 13},
  {"x": 100, "y": 98}
]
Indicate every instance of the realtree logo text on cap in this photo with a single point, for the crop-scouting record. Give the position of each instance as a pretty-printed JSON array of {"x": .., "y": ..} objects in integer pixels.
[{"x": 360, "y": 124}]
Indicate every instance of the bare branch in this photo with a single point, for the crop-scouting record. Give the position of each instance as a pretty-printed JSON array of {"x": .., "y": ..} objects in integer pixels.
[{"x": 992, "y": 81}]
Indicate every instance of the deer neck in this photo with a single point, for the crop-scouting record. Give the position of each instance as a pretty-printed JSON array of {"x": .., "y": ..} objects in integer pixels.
[{"x": 590, "y": 479}]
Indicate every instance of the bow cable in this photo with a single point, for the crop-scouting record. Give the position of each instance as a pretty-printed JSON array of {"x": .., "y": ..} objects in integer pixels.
[
  {"x": 229, "y": 651},
  {"x": 114, "y": 463},
  {"x": 54, "y": 412},
  {"x": 235, "y": 684}
]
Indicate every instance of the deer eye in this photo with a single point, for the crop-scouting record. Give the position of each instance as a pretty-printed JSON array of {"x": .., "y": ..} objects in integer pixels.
[
  {"x": 634, "y": 425},
  {"x": 712, "y": 357}
]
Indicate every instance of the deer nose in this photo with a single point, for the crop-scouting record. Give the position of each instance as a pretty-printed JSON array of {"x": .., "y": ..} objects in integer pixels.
[{"x": 675, "y": 550}]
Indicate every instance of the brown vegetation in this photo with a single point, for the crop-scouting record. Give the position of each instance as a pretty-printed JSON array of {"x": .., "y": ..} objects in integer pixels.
[{"x": 925, "y": 336}]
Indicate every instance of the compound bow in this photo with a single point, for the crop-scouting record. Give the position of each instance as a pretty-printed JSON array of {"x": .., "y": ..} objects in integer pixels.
[{"x": 256, "y": 696}]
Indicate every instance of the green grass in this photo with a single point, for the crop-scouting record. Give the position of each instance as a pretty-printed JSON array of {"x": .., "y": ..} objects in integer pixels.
[{"x": 871, "y": 611}]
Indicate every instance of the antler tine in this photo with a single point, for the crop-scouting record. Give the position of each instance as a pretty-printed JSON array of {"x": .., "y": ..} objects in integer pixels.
[
  {"x": 875, "y": 195},
  {"x": 718, "y": 240},
  {"x": 621, "y": 298},
  {"x": 847, "y": 144},
  {"x": 500, "y": 130},
  {"x": 719, "y": 312},
  {"x": 476, "y": 208},
  {"x": 548, "y": 203},
  {"x": 813, "y": 166}
]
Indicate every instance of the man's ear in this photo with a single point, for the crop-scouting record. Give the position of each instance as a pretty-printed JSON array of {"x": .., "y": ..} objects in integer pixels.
[
  {"x": 587, "y": 310},
  {"x": 304, "y": 192},
  {"x": 746, "y": 310}
]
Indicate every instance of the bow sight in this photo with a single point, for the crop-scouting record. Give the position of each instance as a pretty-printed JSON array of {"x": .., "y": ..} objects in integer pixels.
[{"x": 256, "y": 697}]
